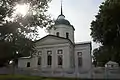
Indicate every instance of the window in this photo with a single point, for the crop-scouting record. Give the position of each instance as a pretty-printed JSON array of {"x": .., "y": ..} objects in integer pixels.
[
  {"x": 79, "y": 53},
  {"x": 67, "y": 35},
  {"x": 60, "y": 60},
  {"x": 49, "y": 58},
  {"x": 39, "y": 60},
  {"x": 39, "y": 57},
  {"x": 39, "y": 53},
  {"x": 60, "y": 51},
  {"x": 28, "y": 64},
  {"x": 57, "y": 33},
  {"x": 79, "y": 59},
  {"x": 111, "y": 65},
  {"x": 60, "y": 57},
  {"x": 49, "y": 52}
]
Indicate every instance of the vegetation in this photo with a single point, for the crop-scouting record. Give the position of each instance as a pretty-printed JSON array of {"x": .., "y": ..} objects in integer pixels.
[
  {"x": 21, "y": 77},
  {"x": 17, "y": 32},
  {"x": 106, "y": 31}
]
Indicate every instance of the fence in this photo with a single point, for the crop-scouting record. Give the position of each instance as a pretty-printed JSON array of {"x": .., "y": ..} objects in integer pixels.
[
  {"x": 106, "y": 73},
  {"x": 95, "y": 73}
]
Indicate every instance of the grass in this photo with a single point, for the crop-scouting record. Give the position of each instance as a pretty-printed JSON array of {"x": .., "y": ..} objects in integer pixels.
[{"x": 24, "y": 77}]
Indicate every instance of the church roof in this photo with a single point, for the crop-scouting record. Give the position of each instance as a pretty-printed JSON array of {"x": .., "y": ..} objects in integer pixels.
[
  {"x": 111, "y": 62},
  {"x": 61, "y": 19},
  {"x": 54, "y": 36},
  {"x": 28, "y": 57},
  {"x": 81, "y": 43}
]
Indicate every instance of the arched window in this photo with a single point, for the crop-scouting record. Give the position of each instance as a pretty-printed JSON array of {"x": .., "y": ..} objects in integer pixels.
[
  {"x": 57, "y": 34},
  {"x": 67, "y": 35},
  {"x": 28, "y": 64}
]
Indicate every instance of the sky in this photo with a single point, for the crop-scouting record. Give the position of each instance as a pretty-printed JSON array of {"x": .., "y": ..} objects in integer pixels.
[{"x": 80, "y": 13}]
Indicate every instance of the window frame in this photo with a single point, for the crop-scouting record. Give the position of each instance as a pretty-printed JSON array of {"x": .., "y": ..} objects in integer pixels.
[
  {"x": 60, "y": 58},
  {"x": 57, "y": 34},
  {"x": 39, "y": 60},
  {"x": 28, "y": 64},
  {"x": 39, "y": 53},
  {"x": 49, "y": 58},
  {"x": 79, "y": 54},
  {"x": 79, "y": 59},
  {"x": 67, "y": 35},
  {"x": 60, "y": 51}
]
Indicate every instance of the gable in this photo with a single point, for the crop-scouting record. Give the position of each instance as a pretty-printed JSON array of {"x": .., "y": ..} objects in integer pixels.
[{"x": 49, "y": 39}]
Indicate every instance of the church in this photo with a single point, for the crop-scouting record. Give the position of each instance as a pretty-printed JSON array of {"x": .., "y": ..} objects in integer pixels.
[{"x": 58, "y": 52}]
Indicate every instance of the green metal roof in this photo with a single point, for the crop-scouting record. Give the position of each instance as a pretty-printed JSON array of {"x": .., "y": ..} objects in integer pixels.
[{"x": 62, "y": 21}]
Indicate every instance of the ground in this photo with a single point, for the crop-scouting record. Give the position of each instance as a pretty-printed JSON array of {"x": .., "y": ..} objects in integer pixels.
[{"x": 23, "y": 77}]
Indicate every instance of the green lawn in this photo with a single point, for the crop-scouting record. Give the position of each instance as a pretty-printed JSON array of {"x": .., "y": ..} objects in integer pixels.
[{"x": 23, "y": 77}]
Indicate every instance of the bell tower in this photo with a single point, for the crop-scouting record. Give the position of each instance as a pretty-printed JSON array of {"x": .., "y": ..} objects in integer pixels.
[{"x": 62, "y": 27}]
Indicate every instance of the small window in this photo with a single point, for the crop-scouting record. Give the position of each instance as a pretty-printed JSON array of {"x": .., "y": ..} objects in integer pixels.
[
  {"x": 67, "y": 35},
  {"x": 111, "y": 65},
  {"x": 49, "y": 52},
  {"x": 57, "y": 33},
  {"x": 60, "y": 51},
  {"x": 28, "y": 64},
  {"x": 39, "y": 52},
  {"x": 79, "y": 53}
]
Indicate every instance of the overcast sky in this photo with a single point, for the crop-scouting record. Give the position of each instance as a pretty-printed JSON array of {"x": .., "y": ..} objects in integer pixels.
[{"x": 80, "y": 13}]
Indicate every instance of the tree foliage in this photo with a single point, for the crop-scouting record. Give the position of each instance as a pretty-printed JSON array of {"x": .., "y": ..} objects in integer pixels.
[
  {"x": 106, "y": 29},
  {"x": 17, "y": 32},
  {"x": 101, "y": 55}
]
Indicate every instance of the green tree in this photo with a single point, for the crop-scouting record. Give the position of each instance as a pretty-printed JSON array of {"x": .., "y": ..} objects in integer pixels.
[
  {"x": 17, "y": 33},
  {"x": 101, "y": 56},
  {"x": 106, "y": 29}
]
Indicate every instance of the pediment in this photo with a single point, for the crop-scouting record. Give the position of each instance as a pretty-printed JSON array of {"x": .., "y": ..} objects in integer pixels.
[{"x": 50, "y": 39}]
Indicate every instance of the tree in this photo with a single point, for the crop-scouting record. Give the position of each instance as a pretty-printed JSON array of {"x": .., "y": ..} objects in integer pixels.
[
  {"x": 18, "y": 32},
  {"x": 101, "y": 56},
  {"x": 106, "y": 28}
]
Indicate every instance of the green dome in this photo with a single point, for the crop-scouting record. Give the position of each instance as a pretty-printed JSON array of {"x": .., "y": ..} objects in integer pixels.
[{"x": 62, "y": 21}]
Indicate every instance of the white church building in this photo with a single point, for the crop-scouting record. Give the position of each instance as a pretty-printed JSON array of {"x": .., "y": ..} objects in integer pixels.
[{"x": 58, "y": 52}]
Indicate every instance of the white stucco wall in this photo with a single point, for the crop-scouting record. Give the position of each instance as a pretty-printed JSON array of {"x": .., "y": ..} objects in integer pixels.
[
  {"x": 22, "y": 62},
  {"x": 63, "y": 29},
  {"x": 54, "y": 48},
  {"x": 70, "y": 57},
  {"x": 86, "y": 57}
]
